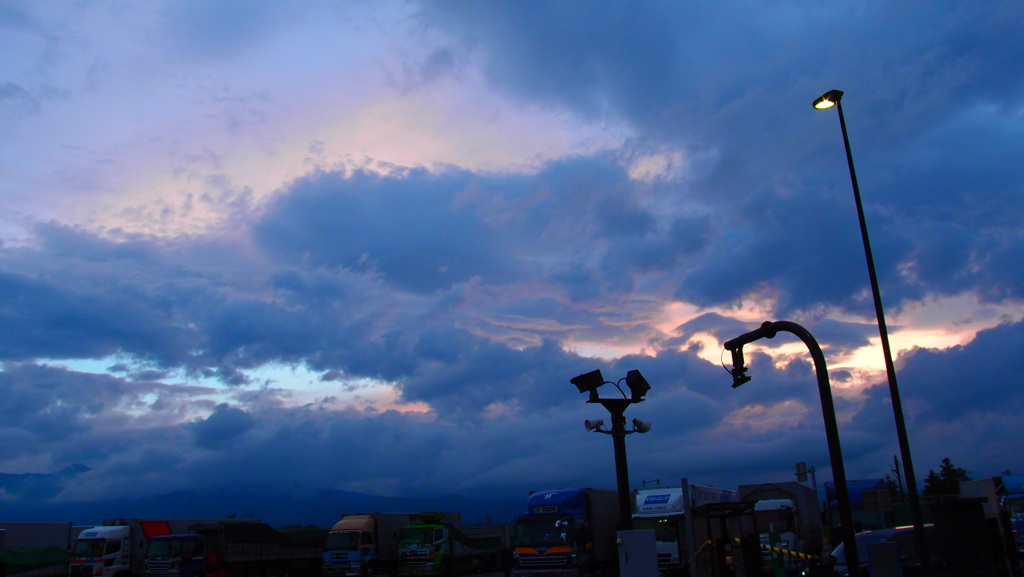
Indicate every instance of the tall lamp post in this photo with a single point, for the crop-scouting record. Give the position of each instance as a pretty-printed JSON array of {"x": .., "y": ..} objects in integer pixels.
[
  {"x": 828, "y": 412},
  {"x": 590, "y": 382},
  {"x": 823, "y": 102}
]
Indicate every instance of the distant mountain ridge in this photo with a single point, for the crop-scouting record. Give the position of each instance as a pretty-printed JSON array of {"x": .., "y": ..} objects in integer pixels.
[
  {"x": 39, "y": 485},
  {"x": 322, "y": 509}
]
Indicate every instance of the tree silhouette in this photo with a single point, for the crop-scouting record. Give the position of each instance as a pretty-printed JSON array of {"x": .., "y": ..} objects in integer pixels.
[
  {"x": 946, "y": 481},
  {"x": 893, "y": 487}
]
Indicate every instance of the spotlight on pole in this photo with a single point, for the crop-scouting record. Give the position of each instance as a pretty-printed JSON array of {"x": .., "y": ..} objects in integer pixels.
[
  {"x": 637, "y": 384},
  {"x": 589, "y": 382}
]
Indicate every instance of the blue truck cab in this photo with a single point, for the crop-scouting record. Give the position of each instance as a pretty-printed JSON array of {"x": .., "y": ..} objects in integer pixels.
[
  {"x": 182, "y": 555},
  {"x": 566, "y": 532}
]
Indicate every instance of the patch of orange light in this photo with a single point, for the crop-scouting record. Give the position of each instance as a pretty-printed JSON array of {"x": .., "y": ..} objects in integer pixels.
[
  {"x": 379, "y": 398},
  {"x": 604, "y": 350},
  {"x": 764, "y": 418},
  {"x": 499, "y": 410},
  {"x": 184, "y": 185}
]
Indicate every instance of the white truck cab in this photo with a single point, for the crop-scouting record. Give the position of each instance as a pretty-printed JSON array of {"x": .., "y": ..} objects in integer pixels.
[{"x": 101, "y": 552}]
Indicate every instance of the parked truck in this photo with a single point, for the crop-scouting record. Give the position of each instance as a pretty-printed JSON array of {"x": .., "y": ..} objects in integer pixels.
[
  {"x": 118, "y": 547},
  {"x": 363, "y": 544},
  {"x": 664, "y": 511},
  {"x": 567, "y": 532},
  {"x": 236, "y": 550},
  {"x": 1004, "y": 496},
  {"x": 437, "y": 545}
]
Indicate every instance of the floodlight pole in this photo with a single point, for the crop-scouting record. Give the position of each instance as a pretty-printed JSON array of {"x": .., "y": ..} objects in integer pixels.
[
  {"x": 823, "y": 102},
  {"x": 883, "y": 333},
  {"x": 769, "y": 330},
  {"x": 638, "y": 386},
  {"x": 617, "y": 408}
]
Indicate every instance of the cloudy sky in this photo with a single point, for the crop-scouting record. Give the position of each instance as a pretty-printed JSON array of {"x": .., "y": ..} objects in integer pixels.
[{"x": 366, "y": 245}]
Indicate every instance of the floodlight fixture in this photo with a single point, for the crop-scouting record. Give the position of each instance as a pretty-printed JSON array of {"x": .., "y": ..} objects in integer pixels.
[
  {"x": 638, "y": 385},
  {"x": 589, "y": 382},
  {"x": 641, "y": 426},
  {"x": 594, "y": 425},
  {"x": 828, "y": 100}
]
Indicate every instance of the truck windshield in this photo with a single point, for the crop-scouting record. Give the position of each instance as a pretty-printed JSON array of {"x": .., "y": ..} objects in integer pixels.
[
  {"x": 88, "y": 548},
  {"x": 169, "y": 547},
  {"x": 348, "y": 541},
  {"x": 1015, "y": 506},
  {"x": 534, "y": 532},
  {"x": 664, "y": 529},
  {"x": 416, "y": 536}
]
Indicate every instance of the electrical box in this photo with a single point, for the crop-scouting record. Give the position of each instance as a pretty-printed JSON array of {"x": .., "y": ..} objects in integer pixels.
[{"x": 638, "y": 555}]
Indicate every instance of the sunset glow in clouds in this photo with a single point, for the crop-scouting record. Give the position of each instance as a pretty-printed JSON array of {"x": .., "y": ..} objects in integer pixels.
[{"x": 263, "y": 232}]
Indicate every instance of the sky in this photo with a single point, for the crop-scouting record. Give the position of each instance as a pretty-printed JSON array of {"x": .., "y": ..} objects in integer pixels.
[{"x": 365, "y": 246}]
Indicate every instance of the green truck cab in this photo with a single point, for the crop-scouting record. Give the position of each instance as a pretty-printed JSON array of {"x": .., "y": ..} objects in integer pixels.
[{"x": 436, "y": 545}]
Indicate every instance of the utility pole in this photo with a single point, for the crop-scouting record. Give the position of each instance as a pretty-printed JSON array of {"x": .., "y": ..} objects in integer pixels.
[{"x": 899, "y": 478}]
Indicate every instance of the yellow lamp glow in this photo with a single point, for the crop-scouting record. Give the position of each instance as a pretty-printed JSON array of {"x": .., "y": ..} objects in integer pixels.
[{"x": 828, "y": 100}]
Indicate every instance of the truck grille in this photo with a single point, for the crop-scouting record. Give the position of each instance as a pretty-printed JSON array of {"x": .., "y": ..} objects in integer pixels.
[
  {"x": 344, "y": 569},
  {"x": 415, "y": 557},
  {"x": 156, "y": 567},
  {"x": 543, "y": 562}
]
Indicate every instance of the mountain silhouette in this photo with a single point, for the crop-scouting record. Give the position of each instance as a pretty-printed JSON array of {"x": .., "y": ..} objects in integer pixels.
[{"x": 29, "y": 498}]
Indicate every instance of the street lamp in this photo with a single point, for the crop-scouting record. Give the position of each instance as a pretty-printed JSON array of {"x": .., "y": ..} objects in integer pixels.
[
  {"x": 828, "y": 411},
  {"x": 638, "y": 387},
  {"x": 825, "y": 101}
]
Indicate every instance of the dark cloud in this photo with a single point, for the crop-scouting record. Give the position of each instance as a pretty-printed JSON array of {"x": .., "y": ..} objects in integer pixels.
[
  {"x": 40, "y": 405},
  {"x": 664, "y": 61},
  {"x": 679, "y": 72},
  {"x": 222, "y": 426},
  {"x": 15, "y": 17},
  {"x": 16, "y": 102},
  {"x": 203, "y": 30},
  {"x": 690, "y": 405},
  {"x": 966, "y": 378},
  {"x": 405, "y": 228},
  {"x": 568, "y": 54}
]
